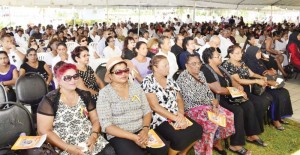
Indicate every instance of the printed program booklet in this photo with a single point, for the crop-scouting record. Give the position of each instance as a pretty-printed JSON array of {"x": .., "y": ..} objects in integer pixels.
[
  {"x": 217, "y": 119},
  {"x": 154, "y": 141},
  {"x": 29, "y": 142},
  {"x": 234, "y": 92}
]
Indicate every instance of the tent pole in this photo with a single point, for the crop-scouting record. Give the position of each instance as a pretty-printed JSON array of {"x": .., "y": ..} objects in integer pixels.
[
  {"x": 106, "y": 11},
  {"x": 139, "y": 18},
  {"x": 194, "y": 14}
]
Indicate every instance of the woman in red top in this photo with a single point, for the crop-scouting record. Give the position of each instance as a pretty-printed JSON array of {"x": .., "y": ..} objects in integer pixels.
[{"x": 294, "y": 48}]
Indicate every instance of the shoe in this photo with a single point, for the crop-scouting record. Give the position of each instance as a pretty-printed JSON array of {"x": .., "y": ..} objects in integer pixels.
[
  {"x": 284, "y": 122},
  {"x": 280, "y": 128},
  {"x": 257, "y": 142},
  {"x": 221, "y": 152},
  {"x": 242, "y": 151}
]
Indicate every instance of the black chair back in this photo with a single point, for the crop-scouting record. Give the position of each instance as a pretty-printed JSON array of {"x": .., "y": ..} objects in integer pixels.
[
  {"x": 3, "y": 96},
  {"x": 15, "y": 119},
  {"x": 30, "y": 88},
  {"x": 100, "y": 72}
]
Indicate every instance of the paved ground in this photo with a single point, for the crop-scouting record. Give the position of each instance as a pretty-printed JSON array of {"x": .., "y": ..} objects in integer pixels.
[{"x": 293, "y": 85}]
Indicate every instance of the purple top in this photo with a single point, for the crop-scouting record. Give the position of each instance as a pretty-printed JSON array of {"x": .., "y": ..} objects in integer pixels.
[
  {"x": 8, "y": 75},
  {"x": 142, "y": 67}
]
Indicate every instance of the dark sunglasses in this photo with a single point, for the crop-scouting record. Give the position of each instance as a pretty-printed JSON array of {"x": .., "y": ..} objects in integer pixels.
[
  {"x": 83, "y": 40},
  {"x": 69, "y": 77},
  {"x": 121, "y": 71},
  {"x": 32, "y": 40}
]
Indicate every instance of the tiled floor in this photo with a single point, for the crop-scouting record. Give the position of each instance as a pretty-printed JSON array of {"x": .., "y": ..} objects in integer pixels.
[{"x": 293, "y": 85}]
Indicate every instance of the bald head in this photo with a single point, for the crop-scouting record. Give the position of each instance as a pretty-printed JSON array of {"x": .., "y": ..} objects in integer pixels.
[{"x": 214, "y": 41}]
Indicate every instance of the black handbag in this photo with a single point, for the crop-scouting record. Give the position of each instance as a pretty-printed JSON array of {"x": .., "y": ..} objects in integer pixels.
[
  {"x": 256, "y": 89},
  {"x": 45, "y": 149}
]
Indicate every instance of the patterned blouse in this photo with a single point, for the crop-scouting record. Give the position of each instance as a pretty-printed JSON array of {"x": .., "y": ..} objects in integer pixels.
[
  {"x": 167, "y": 98},
  {"x": 89, "y": 80},
  {"x": 74, "y": 127},
  {"x": 242, "y": 71},
  {"x": 194, "y": 92},
  {"x": 126, "y": 114}
]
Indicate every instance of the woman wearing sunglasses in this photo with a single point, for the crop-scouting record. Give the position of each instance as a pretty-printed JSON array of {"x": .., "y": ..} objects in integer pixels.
[
  {"x": 69, "y": 118},
  {"x": 83, "y": 41},
  {"x": 33, "y": 44},
  {"x": 124, "y": 112},
  {"x": 168, "y": 108},
  {"x": 92, "y": 83}
]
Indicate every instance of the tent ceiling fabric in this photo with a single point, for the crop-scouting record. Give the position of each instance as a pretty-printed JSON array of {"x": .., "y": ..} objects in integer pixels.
[{"x": 231, "y": 4}]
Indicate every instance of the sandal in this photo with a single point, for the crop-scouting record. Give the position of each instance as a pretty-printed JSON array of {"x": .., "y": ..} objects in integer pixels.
[
  {"x": 257, "y": 142},
  {"x": 284, "y": 122},
  {"x": 221, "y": 152},
  {"x": 242, "y": 151},
  {"x": 280, "y": 128}
]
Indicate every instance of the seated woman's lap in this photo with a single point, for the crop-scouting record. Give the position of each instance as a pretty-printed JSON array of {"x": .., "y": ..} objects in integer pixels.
[
  {"x": 123, "y": 146},
  {"x": 180, "y": 139}
]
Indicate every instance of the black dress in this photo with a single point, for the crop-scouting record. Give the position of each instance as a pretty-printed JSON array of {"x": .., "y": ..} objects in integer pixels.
[
  {"x": 90, "y": 81},
  {"x": 245, "y": 120},
  {"x": 262, "y": 102}
]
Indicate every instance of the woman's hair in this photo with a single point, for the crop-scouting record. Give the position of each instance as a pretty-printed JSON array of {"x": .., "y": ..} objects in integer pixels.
[
  {"x": 29, "y": 41},
  {"x": 62, "y": 44},
  {"x": 231, "y": 49},
  {"x": 61, "y": 67},
  {"x": 185, "y": 42},
  {"x": 80, "y": 37},
  {"x": 76, "y": 52},
  {"x": 189, "y": 56},
  {"x": 3, "y": 52},
  {"x": 139, "y": 44},
  {"x": 247, "y": 41},
  {"x": 155, "y": 60},
  {"x": 107, "y": 40},
  {"x": 126, "y": 42},
  {"x": 276, "y": 34},
  {"x": 151, "y": 42},
  {"x": 208, "y": 54},
  {"x": 27, "y": 52}
]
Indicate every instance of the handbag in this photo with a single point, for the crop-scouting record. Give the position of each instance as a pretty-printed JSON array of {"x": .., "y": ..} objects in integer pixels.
[
  {"x": 45, "y": 149},
  {"x": 256, "y": 89}
]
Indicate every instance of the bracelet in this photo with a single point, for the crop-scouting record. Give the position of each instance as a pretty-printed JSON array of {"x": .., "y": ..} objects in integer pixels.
[
  {"x": 146, "y": 126},
  {"x": 67, "y": 148},
  {"x": 97, "y": 133}
]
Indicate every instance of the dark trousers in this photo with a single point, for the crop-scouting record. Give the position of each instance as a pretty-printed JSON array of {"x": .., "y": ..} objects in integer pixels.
[
  {"x": 245, "y": 121},
  {"x": 124, "y": 146},
  {"x": 180, "y": 139}
]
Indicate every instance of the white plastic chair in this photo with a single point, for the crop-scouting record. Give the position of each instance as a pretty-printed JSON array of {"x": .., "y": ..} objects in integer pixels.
[
  {"x": 46, "y": 57},
  {"x": 71, "y": 45}
]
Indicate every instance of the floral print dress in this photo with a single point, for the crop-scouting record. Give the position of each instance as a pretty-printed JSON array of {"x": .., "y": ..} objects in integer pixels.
[{"x": 73, "y": 126}]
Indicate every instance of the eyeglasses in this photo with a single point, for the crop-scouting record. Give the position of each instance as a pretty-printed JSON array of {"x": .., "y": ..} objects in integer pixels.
[
  {"x": 121, "y": 71},
  {"x": 32, "y": 41},
  {"x": 195, "y": 63},
  {"x": 83, "y": 40},
  {"x": 69, "y": 77}
]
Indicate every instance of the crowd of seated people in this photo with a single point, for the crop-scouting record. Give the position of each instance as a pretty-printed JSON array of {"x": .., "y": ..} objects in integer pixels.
[{"x": 164, "y": 77}]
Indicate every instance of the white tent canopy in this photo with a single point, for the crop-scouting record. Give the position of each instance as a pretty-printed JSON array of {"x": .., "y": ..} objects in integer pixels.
[{"x": 231, "y": 4}]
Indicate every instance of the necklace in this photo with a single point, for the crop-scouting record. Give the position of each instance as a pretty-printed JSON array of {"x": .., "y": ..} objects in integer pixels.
[{"x": 71, "y": 100}]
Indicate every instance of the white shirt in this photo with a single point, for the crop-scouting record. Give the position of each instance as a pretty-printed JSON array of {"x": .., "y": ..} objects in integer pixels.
[
  {"x": 172, "y": 62},
  {"x": 143, "y": 39},
  {"x": 108, "y": 52},
  {"x": 224, "y": 44},
  {"x": 21, "y": 41},
  {"x": 151, "y": 33},
  {"x": 101, "y": 46},
  {"x": 14, "y": 58},
  {"x": 57, "y": 59},
  {"x": 201, "y": 49},
  {"x": 95, "y": 38},
  {"x": 188, "y": 20},
  {"x": 124, "y": 31}
]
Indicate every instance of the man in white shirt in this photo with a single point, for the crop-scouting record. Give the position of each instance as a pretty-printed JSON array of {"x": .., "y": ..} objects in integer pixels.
[
  {"x": 101, "y": 44},
  {"x": 124, "y": 29},
  {"x": 15, "y": 57},
  {"x": 21, "y": 39},
  {"x": 62, "y": 55},
  {"x": 165, "y": 47},
  {"x": 225, "y": 42},
  {"x": 213, "y": 42},
  {"x": 94, "y": 36},
  {"x": 241, "y": 37},
  {"x": 188, "y": 19},
  {"x": 145, "y": 37},
  {"x": 151, "y": 31}
]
